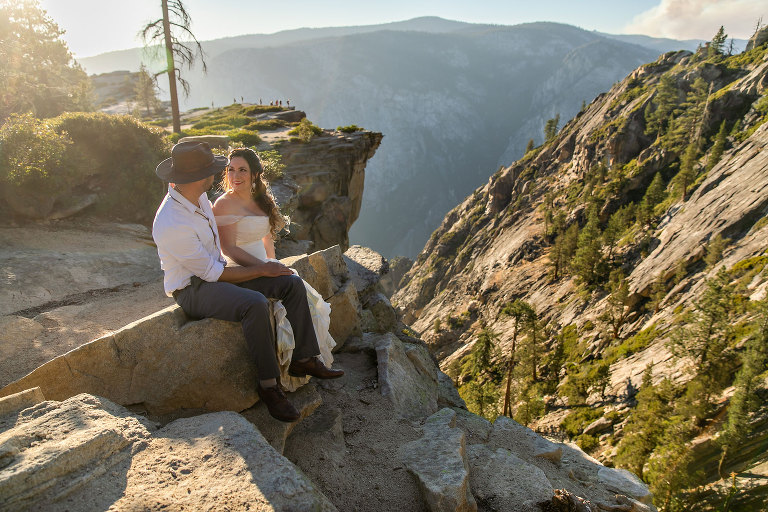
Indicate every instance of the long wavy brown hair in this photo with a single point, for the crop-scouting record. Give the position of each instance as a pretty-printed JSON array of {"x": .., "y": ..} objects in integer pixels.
[{"x": 259, "y": 190}]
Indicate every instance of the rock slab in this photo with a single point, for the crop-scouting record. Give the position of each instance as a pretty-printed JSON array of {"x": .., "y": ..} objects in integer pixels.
[
  {"x": 502, "y": 481},
  {"x": 412, "y": 388},
  {"x": 56, "y": 448},
  {"x": 216, "y": 461},
  {"x": 439, "y": 462},
  {"x": 162, "y": 364}
]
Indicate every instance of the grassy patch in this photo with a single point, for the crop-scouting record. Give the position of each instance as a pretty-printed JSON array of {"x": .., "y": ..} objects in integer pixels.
[{"x": 351, "y": 128}]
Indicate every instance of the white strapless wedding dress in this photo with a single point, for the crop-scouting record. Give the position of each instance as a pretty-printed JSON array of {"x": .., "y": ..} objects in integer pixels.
[{"x": 250, "y": 230}]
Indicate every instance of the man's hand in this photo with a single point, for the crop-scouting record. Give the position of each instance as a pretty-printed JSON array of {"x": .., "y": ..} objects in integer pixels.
[
  {"x": 263, "y": 269},
  {"x": 274, "y": 269}
]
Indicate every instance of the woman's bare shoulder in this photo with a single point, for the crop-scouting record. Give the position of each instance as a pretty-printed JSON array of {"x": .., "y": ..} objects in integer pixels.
[{"x": 225, "y": 205}]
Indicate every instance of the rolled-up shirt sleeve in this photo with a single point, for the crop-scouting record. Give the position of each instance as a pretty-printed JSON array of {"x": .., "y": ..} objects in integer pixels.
[{"x": 183, "y": 244}]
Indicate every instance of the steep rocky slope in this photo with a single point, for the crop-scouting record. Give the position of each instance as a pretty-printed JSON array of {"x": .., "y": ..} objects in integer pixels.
[{"x": 613, "y": 234}]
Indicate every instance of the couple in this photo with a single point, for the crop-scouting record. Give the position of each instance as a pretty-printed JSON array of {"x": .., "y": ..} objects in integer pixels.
[{"x": 237, "y": 288}]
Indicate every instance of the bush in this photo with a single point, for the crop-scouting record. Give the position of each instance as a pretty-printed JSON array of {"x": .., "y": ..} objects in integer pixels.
[
  {"x": 271, "y": 161},
  {"x": 578, "y": 419},
  {"x": 306, "y": 130},
  {"x": 120, "y": 153},
  {"x": 244, "y": 137},
  {"x": 31, "y": 154},
  {"x": 352, "y": 128},
  {"x": 267, "y": 124},
  {"x": 260, "y": 109},
  {"x": 113, "y": 156},
  {"x": 221, "y": 122}
]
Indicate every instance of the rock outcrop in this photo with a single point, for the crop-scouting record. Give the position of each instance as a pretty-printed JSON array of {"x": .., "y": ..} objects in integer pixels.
[
  {"x": 371, "y": 440},
  {"x": 87, "y": 453},
  {"x": 167, "y": 365},
  {"x": 439, "y": 461},
  {"x": 330, "y": 173}
]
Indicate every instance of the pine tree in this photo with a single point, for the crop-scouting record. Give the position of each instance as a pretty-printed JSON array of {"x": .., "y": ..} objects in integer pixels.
[
  {"x": 588, "y": 258},
  {"x": 717, "y": 45},
  {"x": 617, "y": 310},
  {"x": 531, "y": 405},
  {"x": 707, "y": 332},
  {"x": 37, "y": 72},
  {"x": 654, "y": 195},
  {"x": 531, "y": 348},
  {"x": 689, "y": 117},
  {"x": 754, "y": 361},
  {"x": 529, "y": 147},
  {"x": 550, "y": 128},
  {"x": 564, "y": 245},
  {"x": 660, "y": 109},
  {"x": 616, "y": 225},
  {"x": 145, "y": 91},
  {"x": 718, "y": 147},
  {"x": 658, "y": 292},
  {"x": 715, "y": 249},
  {"x": 520, "y": 311},
  {"x": 687, "y": 174},
  {"x": 480, "y": 370},
  {"x": 645, "y": 424}
]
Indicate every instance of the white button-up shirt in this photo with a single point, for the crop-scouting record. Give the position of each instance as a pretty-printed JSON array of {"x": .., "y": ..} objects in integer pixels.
[{"x": 187, "y": 241}]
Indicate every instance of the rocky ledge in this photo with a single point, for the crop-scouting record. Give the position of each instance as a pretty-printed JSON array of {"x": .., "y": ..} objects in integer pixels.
[{"x": 129, "y": 424}]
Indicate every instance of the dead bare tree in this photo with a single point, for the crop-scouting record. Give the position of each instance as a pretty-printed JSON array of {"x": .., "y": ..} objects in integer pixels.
[{"x": 166, "y": 33}]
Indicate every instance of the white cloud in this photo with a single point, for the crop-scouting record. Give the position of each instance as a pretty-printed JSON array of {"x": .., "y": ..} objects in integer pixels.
[{"x": 700, "y": 19}]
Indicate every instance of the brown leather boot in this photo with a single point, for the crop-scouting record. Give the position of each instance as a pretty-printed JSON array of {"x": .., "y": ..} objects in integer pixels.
[
  {"x": 278, "y": 405},
  {"x": 313, "y": 367}
]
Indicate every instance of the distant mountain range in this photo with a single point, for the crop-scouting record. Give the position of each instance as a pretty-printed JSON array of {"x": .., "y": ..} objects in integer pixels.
[{"x": 454, "y": 100}]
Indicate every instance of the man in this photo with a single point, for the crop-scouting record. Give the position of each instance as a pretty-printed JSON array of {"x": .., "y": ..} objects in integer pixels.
[{"x": 197, "y": 277}]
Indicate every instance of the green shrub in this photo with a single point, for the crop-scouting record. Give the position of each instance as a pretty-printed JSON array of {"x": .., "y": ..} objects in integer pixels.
[
  {"x": 121, "y": 154},
  {"x": 31, "y": 154},
  {"x": 271, "y": 161},
  {"x": 760, "y": 224},
  {"x": 221, "y": 122},
  {"x": 632, "y": 345},
  {"x": 587, "y": 442},
  {"x": 352, "y": 128},
  {"x": 578, "y": 419},
  {"x": 260, "y": 109},
  {"x": 267, "y": 124},
  {"x": 306, "y": 130},
  {"x": 244, "y": 137}
]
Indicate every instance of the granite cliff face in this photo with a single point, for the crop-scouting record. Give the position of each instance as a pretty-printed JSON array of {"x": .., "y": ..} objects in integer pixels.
[
  {"x": 611, "y": 244},
  {"x": 329, "y": 172}
]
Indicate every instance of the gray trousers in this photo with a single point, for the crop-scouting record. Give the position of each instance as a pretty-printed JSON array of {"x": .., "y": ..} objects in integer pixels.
[{"x": 247, "y": 303}]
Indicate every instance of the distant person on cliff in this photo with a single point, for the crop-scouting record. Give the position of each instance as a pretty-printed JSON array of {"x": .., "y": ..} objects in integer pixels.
[{"x": 199, "y": 280}]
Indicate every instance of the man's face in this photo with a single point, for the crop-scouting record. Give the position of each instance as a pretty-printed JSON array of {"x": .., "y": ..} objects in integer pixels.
[{"x": 209, "y": 182}]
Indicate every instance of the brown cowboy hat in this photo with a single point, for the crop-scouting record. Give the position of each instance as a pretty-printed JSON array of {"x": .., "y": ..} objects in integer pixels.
[{"x": 190, "y": 161}]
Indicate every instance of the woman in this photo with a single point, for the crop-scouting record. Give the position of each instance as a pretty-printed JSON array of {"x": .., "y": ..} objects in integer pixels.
[{"x": 248, "y": 220}]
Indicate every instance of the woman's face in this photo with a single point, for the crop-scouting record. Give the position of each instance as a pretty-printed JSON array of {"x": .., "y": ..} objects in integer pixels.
[{"x": 239, "y": 174}]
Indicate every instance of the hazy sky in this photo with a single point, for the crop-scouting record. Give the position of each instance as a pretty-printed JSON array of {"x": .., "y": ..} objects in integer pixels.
[{"x": 97, "y": 26}]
